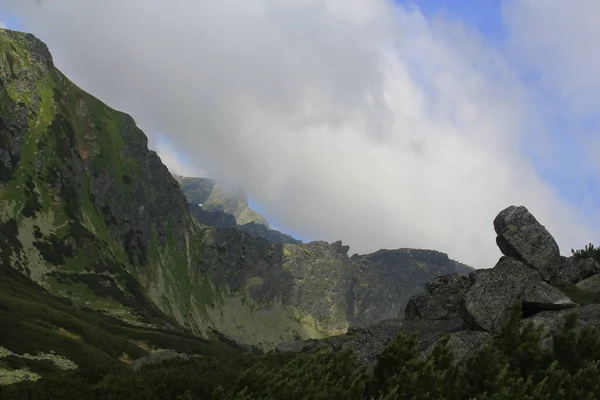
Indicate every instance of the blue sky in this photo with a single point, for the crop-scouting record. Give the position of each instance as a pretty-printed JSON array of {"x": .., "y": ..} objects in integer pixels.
[{"x": 501, "y": 111}]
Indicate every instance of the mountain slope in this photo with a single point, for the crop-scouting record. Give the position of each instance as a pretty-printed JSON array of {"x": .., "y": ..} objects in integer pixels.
[
  {"x": 90, "y": 214},
  {"x": 208, "y": 195}
]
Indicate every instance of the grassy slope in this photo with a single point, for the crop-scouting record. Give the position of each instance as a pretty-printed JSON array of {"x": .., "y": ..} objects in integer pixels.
[{"x": 34, "y": 322}]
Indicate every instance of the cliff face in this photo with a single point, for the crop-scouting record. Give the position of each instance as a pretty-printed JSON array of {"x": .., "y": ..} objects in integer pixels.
[{"x": 88, "y": 212}]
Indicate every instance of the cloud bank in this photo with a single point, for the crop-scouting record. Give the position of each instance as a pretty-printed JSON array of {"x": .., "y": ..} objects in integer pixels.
[{"x": 344, "y": 119}]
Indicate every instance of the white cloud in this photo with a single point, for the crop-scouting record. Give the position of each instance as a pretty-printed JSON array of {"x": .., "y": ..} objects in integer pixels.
[
  {"x": 352, "y": 120},
  {"x": 2, "y": 25}
]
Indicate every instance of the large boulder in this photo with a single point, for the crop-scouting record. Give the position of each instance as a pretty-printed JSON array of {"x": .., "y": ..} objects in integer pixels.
[
  {"x": 572, "y": 270},
  {"x": 543, "y": 297},
  {"x": 488, "y": 303},
  {"x": 522, "y": 237},
  {"x": 439, "y": 299}
]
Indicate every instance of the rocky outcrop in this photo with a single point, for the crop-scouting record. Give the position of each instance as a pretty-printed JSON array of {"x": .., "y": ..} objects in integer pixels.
[
  {"x": 487, "y": 304},
  {"x": 472, "y": 310},
  {"x": 543, "y": 297},
  {"x": 375, "y": 293},
  {"x": 522, "y": 237},
  {"x": 439, "y": 299},
  {"x": 572, "y": 270}
]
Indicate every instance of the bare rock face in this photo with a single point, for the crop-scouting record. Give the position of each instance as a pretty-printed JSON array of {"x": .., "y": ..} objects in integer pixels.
[
  {"x": 522, "y": 237},
  {"x": 488, "y": 303}
]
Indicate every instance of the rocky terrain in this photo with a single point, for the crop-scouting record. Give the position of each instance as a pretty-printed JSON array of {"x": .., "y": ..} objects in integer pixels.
[
  {"x": 532, "y": 279},
  {"x": 91, "y": 216}
]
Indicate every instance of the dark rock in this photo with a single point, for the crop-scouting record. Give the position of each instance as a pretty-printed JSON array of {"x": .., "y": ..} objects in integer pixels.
[
  {"x": 157, "y": 358},
  {"x": 488, "y": 303},
  {"x": 439, "y": 299},
  {"x": 463, "y": 345},
  {"x": 543, "y": 297},
  {"x": 522, "y": 237}
]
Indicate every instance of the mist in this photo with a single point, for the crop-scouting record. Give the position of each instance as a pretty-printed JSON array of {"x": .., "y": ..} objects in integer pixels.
[{"x": 356, "y": 120}]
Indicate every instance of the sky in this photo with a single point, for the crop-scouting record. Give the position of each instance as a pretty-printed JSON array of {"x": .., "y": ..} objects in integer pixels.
[{"x": 385, "y": 124}]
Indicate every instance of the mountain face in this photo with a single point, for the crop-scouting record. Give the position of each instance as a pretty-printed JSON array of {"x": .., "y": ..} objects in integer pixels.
[
  {"x": 208, "y": 195},
  {"x": 91, "y": 215},
  {"x": 531, "y": 289}
]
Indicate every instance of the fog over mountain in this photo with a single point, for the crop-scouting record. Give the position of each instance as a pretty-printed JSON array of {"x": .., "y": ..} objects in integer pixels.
[{"x": 357, "y": 120}]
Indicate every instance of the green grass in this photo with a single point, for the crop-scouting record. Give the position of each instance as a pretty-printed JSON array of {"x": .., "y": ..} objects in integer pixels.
[{"x": 32, "y": 321}]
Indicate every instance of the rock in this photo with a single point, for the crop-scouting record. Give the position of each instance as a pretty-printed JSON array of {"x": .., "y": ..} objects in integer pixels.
[
  {"x": 488, "y": 303},
  {"x": 591, "y": 284},
  {"x": 157, "y": 358},
  {"x": 572, "y": 270},
  {"x": 439, "y": 299},
  {"x": 463, "y": 345},
  {"x": 568, "y": 272},
  {"x": 543, "y": 297},
  {"x": 522, "y": 237},
  {"x": 551, "y": 322},
  {"x": 587, "y": 267}
]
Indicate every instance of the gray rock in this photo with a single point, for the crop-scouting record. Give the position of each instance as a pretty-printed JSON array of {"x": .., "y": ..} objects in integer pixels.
[
  {"x": 591, "y": 284},
  {"x": 463, "y": 345},
  {"x": 572, "y": 270},
  {"x": 587, "y": 267},
  {"x": 543, "y": 297},
  {"x": 568, "y": 272},
  {"x": 157, "y": 358},
  {"x": 439, "y": 299},
  {"x": 551, "y": 322},
  {"x": 488, "y": 303},
  {"x": 522, "y": 237}
]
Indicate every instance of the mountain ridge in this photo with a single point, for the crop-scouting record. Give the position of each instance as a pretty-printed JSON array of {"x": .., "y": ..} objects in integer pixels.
[{"x": 92, "y": 215}]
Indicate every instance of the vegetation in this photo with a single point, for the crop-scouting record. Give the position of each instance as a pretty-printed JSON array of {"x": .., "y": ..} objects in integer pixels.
[
  {"x": 513, "y": 365},
  {"x": 589, "y": 251}
]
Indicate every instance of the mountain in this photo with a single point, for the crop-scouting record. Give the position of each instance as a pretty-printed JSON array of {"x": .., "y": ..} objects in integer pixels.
[
  {"x": 96, "y": 222},
  {"x": 208, "y": 195},
  {"x": 227, "y": 209}
]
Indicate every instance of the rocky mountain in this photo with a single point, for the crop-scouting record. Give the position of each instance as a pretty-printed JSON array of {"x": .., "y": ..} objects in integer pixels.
[
  {"x": 531, "y": 282},
  {"x": 211, "y": 197},
  {"x": 96, "y": 223}
]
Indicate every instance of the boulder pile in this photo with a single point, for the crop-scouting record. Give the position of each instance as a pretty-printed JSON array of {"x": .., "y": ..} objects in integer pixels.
[{"x": 475, "y": 308}]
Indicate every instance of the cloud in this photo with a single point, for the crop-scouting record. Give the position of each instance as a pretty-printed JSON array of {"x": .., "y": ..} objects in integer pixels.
[
  {"x": 2, "y": 25},
  {"x": 345, "y": 119}
]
